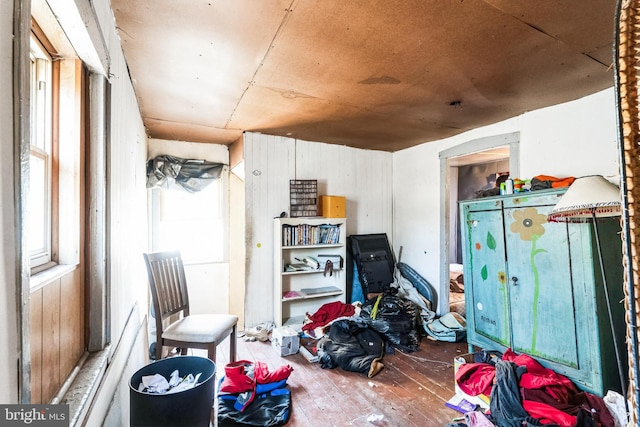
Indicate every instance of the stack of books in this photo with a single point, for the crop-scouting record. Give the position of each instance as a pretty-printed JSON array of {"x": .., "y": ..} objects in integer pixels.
[{"x": 306, "y": 234}]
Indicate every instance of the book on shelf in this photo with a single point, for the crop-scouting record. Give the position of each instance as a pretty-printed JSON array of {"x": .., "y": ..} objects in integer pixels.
[
  {"x": 300, "y": 266},
  {"x": 319, "y": 290},
  {"x": 307, "y": 234},
  {"x": 310, "y": 261}
]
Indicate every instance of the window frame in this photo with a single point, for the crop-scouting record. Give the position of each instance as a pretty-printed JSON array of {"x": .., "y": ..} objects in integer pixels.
[{"x": 42, "y": 88}]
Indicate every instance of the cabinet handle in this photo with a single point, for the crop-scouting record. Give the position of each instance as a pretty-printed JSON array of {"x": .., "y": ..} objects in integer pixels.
[{"x": 514, "y": 279}]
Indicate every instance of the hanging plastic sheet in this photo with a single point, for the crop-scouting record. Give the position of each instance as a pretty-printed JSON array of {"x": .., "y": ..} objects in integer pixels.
[{"x": 191, "y": 175}]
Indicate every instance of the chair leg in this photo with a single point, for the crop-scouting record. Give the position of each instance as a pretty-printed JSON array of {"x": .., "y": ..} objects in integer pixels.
[
  {"x": 232, "y": 345},
  {"x": 211, "y": 352},
  {"x": 159, "y": 349}
]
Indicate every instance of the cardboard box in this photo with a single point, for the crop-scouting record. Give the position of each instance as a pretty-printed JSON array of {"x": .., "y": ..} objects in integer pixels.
[
  {"x": 285, "y": 341},
  {"x": 333, "y": 206},
  {"x": 481, "y": 399}
]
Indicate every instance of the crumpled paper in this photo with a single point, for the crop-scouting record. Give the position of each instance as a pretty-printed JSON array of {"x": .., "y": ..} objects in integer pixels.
[{"x": 158, "y": 384}]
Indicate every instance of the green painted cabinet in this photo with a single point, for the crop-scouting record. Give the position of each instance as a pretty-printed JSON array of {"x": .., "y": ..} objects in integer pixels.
[{"x": 536, "y": 287}]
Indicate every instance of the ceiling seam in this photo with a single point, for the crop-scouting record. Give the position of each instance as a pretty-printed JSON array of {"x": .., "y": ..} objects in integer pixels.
[
  {"x": 541, "y": 31},
  {"x": 283, "y": 22}
]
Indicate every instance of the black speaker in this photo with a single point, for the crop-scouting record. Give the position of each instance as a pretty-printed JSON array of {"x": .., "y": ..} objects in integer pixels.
[{"x": 374, "y": 260}]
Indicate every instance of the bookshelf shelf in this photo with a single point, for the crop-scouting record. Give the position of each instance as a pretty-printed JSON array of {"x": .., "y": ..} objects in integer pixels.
[
  {"x": 291, "y": 248},
  {"x": 304, "y": 291},
  {"x": 293, "y": 273},
  {"x": 315, "y": 293}
]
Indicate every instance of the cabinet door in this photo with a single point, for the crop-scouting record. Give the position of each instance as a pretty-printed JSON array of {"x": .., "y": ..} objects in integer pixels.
[
  {"x": 541, "y": 292},
  {"x": 488, "y": 299}
]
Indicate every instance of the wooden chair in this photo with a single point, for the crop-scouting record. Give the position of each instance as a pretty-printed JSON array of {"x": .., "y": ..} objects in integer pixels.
[{"x": 170, "y": 299}]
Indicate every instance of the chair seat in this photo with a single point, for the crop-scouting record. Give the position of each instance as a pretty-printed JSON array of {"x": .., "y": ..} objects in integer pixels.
[{"x": 201, "y": 328}]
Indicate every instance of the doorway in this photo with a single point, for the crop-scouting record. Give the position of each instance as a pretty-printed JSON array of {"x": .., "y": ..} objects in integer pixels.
[{"x": 462, "y": 169}]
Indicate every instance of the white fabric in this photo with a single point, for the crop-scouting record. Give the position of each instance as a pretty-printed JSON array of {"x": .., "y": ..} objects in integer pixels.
[
  {"x": 615, "y": 403},
  {"x": 587, "y": 193},
  {"x": 408, "y": 291},
  {"x": 201, "y": 328}
]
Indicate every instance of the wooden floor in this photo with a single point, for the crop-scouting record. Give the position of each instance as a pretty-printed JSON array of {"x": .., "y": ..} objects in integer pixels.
[{"x": 410, "y": 391}]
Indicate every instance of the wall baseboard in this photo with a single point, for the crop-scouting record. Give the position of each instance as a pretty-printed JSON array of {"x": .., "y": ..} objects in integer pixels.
[{"x": 95, "y": 390}]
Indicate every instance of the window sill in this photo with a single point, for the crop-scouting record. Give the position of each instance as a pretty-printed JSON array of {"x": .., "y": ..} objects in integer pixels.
[
  {"x": 49, "y": 275},
  {"x": 83, "y": 386}
]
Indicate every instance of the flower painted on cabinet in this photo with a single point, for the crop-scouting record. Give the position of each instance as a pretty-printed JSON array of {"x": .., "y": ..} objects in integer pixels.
[
  {"x": 528, "y": 223},
  {"x": 478, "y": 246},
  {"x": 502, "y": 277}
]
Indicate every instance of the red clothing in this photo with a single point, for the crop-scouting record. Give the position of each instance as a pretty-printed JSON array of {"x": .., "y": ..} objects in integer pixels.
[
  {"x": 546, "y": 395},
  {"x": 548, "y": 414},
  {"x": 328, "y": 312},
  {"x": 263, "y": 376},
  {"x": 476, "y": 378},
  {"x": 243, "y": 375},
  {"x": 537, "y": 376},
  {"x": 237, "y": 377},
  {"x": 556, "y": 182}
]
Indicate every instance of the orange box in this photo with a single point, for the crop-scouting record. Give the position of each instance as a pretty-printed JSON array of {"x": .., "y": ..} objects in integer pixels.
[{"x": 333, "y": 206}]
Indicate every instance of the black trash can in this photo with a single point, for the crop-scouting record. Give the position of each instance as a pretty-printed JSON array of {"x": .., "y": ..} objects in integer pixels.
[{"x": 186, "y": 408}]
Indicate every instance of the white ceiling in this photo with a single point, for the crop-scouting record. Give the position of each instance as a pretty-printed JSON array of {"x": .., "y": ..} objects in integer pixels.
[{"x": 378, "y": 74}]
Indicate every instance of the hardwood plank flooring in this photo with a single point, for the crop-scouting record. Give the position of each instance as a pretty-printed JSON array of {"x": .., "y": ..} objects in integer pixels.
[{"x": 410, "y": 391}]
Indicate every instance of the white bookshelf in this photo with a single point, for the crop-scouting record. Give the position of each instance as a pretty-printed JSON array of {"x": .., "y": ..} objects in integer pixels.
[{"x": 300, "y": 292}]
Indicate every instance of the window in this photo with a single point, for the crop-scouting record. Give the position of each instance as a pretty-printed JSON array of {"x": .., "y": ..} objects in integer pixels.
[
  {"x": 40, "y": 159},
  {"x": 192, "y": 223},
  {"x": 54, "y": 191}
]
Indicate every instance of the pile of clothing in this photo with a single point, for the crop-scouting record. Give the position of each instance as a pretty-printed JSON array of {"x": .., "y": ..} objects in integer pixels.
[
  {"x": 250, "y": 394},
  {"x": 524, "y": 393},
  {"x": 355, "y": 338},
  {"x": 354, "y": 345}
]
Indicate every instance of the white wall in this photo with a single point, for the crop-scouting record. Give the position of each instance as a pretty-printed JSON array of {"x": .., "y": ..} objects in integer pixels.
[
  {"x": 126, "y": 179},
  {"x": 208, "y": 282},
  {"x": 127, "y": 217},
  {"x": 364, "y": 177},
  {"x": 572, "y": 139},
  {"x": 8, "y": 283}
]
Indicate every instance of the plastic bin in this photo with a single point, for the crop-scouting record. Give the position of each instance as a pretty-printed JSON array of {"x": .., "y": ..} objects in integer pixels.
[{"x": 186, "y": 408}]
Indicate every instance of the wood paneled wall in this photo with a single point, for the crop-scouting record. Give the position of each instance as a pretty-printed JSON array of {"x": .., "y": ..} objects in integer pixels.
[
  {"x": 364, "y": 177},
  {"x": 57, "y": 333}
]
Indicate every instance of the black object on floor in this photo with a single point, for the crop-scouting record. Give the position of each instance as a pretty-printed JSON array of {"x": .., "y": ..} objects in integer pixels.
[
  {"x": 374, "y": 260},
  {"x": 190, "y": 407}
]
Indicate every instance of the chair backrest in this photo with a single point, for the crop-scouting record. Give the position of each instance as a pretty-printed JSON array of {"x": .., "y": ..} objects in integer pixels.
[{"x": 168, "y": 285}]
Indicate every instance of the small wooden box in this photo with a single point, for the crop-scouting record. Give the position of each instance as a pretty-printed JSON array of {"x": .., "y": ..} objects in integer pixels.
[{"x": 333, "y": 206}]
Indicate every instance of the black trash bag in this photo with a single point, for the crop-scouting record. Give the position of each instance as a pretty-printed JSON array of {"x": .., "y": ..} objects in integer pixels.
[
  {"x": 402, "y": 317},
  {"x": 267, "y": 409},
  {"x": 353, "y": 346}
]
